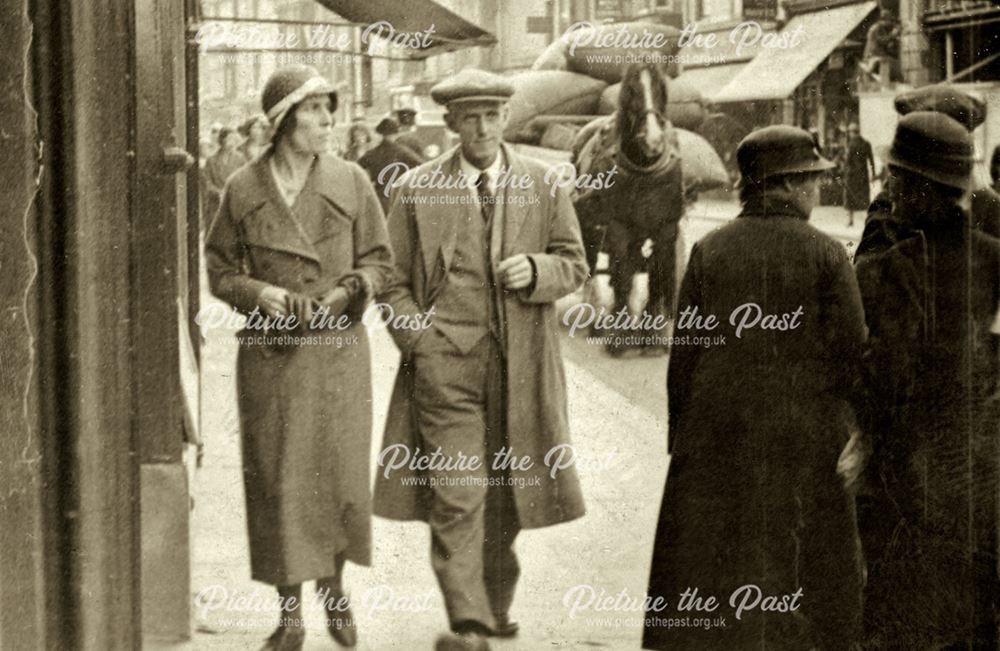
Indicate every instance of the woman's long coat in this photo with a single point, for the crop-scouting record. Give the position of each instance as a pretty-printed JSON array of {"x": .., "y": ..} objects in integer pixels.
[
  {"x": 542, "y": 225},
  {"x": 305, "y": 410},
  {"x": 931, "y": 413},
  {"x": 218, "y": 168},
  {"x": 757, "y": 424},
  {"x": 858, "y": 165}
]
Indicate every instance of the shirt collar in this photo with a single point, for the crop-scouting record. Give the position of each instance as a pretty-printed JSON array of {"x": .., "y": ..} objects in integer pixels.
[{"x": 473, "y": 172}]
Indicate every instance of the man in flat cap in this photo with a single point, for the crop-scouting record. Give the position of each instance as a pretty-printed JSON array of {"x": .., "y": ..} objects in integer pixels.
[
  {"x": 486, "y": 247},
  {"x": 928, "y": 512},
  {"x": 381, "y": 160},
  {"x": 882, "y": 229}
]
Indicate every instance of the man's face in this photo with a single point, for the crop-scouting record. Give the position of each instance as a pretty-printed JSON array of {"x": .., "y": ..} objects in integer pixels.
[
  {"x": 805, "y": 191},
  {"x": 479, "y": 125},
  {"x": 314, "y": 122}
]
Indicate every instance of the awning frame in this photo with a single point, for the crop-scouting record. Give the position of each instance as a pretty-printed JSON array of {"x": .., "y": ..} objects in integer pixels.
[{"x": 766, "y": 59}]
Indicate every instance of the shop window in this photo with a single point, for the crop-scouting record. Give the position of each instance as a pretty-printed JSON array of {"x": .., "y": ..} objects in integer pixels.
[{"x": 972, "y": 52}]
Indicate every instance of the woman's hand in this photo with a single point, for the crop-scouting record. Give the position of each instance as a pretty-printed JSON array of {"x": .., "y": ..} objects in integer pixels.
[
  {"x": 301, "y": 306},
  {"x": 336, "y": 301},
  {"x": 274, "y": 301}
]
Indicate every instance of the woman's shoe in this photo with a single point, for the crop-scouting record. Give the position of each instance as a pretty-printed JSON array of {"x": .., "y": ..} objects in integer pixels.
[
  {"x": 286, "y": 639},
  {"x": 340, "y": 621}
]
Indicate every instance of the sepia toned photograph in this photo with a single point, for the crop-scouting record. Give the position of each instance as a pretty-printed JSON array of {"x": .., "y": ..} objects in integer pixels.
[{"x": 461, "y": 325}]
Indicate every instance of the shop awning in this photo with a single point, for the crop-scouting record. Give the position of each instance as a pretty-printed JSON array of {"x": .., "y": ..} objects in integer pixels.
[
  {"x": 451, "y": 32},
  {"x": 776, "y": 72},
  {"x": 710, "y": 80}
]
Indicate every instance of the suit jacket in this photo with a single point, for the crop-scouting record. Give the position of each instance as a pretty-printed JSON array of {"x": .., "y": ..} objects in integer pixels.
[{"x": 542, "y": 225}]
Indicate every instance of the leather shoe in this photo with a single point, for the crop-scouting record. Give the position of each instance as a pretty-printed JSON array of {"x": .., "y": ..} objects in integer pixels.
[
  {"x": 461, "y": 642},
  {"x": 340, "y": 621},
  {"x": 505, "y": 627},
  {"x": 286, "y": 639}
]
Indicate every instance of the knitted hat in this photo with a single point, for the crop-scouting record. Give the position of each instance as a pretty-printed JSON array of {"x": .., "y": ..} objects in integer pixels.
[
  {"x": 934, "y": 146},
  {"x": 288, "y": 86},
  {"x": 944, "y": 98}
]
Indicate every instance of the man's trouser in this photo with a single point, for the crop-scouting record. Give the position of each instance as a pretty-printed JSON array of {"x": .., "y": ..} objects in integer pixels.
[{"x": 461, "y": 410}]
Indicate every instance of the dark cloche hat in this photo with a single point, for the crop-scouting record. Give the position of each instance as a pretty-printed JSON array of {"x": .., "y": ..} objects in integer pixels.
[
  {"x": 472, "y": 85},
  {"x": 288, "y": 86},
  {"x": 944, "y": 98},
  {"x": 778, "y": 149},
  {"x": 934, "y": 146},
  {"x": 387, "y": 127}
]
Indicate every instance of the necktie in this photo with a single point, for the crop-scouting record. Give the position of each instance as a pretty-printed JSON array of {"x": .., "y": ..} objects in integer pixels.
[{"x": 485, "y": 197}]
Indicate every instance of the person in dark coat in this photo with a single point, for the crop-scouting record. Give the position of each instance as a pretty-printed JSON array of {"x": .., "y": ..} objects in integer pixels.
[
  {"x": 407, "y": 118},
  {"x": 754, "y": 510},
  {"x": 930, "y": 406},
  {"x": 219, "y": 167},
  {"x": 859, "y": 168},
  {"x": 300, "y": 233},
  {"x": 381, "y": 160},
  {"x": 490, "y": 258},
  {"x": 882, "y": 229}
]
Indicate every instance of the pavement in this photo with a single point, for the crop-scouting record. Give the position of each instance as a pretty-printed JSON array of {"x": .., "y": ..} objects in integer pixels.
[
  {"x": 571, "y": 573},
  {"x": 622, "y": 462}
]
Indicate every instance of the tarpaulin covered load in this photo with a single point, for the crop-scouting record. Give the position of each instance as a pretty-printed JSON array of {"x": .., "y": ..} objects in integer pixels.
[
  {"x": 549, "y": 92},
  {"x": 604, "y": 51},
  {"x": 685, "y": 105}
]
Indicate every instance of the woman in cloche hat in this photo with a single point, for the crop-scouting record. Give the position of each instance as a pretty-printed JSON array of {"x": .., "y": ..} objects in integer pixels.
[{"x": 300, "y": 234}]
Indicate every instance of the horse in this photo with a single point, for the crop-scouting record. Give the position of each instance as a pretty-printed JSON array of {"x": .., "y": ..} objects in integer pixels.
[{"x": 645, "y": 204}]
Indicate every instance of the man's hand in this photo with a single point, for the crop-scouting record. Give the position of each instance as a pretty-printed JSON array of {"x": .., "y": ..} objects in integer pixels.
[
  {"x": 273, "y": 300},
  {"x": 335, "y": 301},
  {"x": 516, "y": 272}
]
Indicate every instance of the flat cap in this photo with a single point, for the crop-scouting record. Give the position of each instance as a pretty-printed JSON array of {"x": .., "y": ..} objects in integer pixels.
[
  {"x": 472, "y": 85},
  {"x": 934, "y": 146},
  {"x": 778, "y": 149},
  {"x": 944, "y": 98}
]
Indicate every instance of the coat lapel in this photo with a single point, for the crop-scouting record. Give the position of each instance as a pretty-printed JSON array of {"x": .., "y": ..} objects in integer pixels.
[
  {"x": 270, "y": 222},
  {"x": 515, "y": 206},
  {"x": 436, "y": 224}
]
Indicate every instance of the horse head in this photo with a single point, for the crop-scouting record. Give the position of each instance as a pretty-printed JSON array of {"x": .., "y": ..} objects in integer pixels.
[{"x": 642, "y": 113}]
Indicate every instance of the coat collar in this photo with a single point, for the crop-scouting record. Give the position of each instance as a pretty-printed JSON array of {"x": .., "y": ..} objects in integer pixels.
[{"x": 262, "y": 195}]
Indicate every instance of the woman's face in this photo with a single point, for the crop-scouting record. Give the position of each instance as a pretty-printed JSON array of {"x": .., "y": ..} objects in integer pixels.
[
  {"x": 314, "y": 123},
  {"x": 232, "y": 141},
  {"x": 359, "y": 136},
  {"x": 258, "y": 132}
]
